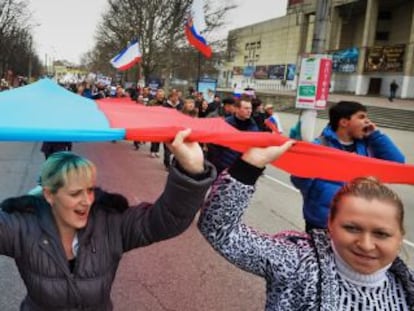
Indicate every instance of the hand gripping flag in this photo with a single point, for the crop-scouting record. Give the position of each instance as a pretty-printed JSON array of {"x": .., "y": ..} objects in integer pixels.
[
  {"x": 45, "y": 111},
  {"x": 194, "y": 25},
  {"x": 127, "y": 57}
]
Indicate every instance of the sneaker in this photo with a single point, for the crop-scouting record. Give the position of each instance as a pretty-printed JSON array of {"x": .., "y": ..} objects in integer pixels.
[
  {"x": 153, "y": 155},
  {"x": 157, "y": 154}
]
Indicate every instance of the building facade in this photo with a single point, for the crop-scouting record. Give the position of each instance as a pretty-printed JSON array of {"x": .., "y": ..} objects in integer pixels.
[{"x": 371, "y": 43}]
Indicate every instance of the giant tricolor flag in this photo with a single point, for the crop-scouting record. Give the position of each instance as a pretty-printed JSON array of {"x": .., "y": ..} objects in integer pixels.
[
  {"x": 128, "y": 57},
  {"x": 45, "y": 111},
  {"x": 194, "y": 25}
]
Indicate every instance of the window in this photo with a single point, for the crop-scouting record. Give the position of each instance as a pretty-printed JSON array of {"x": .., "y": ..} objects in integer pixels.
[
  {"x": 382, "y": 36},
  {"x": 384, "y": 15}
]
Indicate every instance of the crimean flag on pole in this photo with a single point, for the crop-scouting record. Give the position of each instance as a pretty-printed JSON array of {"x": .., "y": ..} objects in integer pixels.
[
  {"x": 128, "y": 57},
  {"x": 194, "y": 25}
]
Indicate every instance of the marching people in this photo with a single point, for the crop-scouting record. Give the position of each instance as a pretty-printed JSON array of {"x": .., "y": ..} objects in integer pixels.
[
  {"x": 258, "y": 114},
  {"x": 189, "y": 108},
  {"x": 68, "y": 240},
  {"x": 203, "y": 109},
  {"x": 349, "y": 129},
  {"x": 354, "y": 265},
  {"x": 223, "y": 157},
  {"x": 228, "y": 107},
  {"x": 143, "y": 98},
  {"x": 272, "y": 121},
  {"x": 158, "y": 100},
  {"x": 173, "y": 102},
  {"x": 50, "y": 147},
  {"x": 214, "y": 107}
]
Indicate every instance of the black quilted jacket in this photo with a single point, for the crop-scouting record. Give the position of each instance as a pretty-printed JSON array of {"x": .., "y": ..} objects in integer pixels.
[{"x": 29, "y": 235}]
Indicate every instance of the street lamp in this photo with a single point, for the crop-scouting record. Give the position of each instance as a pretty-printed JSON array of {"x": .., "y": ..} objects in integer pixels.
[{"x": 29, "y": 71}]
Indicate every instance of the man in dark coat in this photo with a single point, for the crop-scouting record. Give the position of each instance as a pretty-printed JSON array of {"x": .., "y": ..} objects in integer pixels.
[
  {"x": 49, "y": 147},
  {"x": 393, "y": 90},
  {"x": 223, "y": 157}
]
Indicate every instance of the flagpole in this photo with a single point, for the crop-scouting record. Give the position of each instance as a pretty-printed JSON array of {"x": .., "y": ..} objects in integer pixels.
[{"x": 199, "y": 65}]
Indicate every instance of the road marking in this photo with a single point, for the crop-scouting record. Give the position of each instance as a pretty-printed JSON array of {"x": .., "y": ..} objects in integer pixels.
[
  {"x": 281, "y": 183},
  {"x": 411, "y": 244},
  {"x": 407, "y": 242}
]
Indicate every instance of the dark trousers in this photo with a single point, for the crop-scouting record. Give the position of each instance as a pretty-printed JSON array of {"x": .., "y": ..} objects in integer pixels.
[
  {"x": 392, "y": 95},
  {"x": 155, "y": 147},
  {"x": 167, "y": 156}
]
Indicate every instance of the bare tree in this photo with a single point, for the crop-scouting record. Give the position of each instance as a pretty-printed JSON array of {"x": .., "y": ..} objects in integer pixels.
[
  {"x": 159, "y": 26},
  {"x": 16, "y": 39}
]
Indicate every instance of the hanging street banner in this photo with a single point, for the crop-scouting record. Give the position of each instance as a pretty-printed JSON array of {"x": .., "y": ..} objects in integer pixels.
[
  {"x": 208, "y": 87},
  {"x": 237, "y": 71},
  {"x": 345, "y": 61},
  {"x": 248, "y": 71},
  {"x": 314, "y": 82},
  {"x": 277, "y": 72},
  {"x": 385, "y": 58}
]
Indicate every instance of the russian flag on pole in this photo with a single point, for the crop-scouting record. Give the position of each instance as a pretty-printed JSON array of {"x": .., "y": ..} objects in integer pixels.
[
  {"x": 128, "y": 57},
  {"x": 194, "y": 25}
]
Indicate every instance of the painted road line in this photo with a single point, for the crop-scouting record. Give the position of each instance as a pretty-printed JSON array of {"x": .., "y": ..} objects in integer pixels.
[
  {"x": 407, "y": 242},
  {"x": 281, "y": 183}
]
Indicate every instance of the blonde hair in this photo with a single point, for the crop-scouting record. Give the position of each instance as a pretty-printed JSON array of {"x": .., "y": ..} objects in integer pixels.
[
  {"x": 55, "y": 170},
  {"x": 369, "y": 188}
]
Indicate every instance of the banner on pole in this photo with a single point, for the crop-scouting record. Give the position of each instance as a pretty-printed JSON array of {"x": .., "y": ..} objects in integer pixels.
[{"x": 314, "y": 82}]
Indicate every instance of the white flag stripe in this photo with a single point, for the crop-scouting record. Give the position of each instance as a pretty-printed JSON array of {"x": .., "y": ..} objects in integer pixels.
[
  {"x": 128, "y": 56},
  {"x": 197, "y": 13}
]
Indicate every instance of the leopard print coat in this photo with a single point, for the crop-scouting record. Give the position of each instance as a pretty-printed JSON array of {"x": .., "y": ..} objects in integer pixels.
[{"x": 299, "y": 269}]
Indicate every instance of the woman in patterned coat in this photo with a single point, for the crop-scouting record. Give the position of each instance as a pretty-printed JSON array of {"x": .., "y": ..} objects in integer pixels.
[{"x": 354, "y": 265}]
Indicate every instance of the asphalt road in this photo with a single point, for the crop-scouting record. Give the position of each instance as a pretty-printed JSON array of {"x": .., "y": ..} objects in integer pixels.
[{"x": 183, "y": 273}]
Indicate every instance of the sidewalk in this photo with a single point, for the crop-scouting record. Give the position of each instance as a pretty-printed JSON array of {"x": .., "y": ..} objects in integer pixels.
[{"x": 377, "y": 101}]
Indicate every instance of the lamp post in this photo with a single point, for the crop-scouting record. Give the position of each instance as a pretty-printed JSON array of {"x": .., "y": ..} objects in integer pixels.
[
  {"x": 308, "y": 116},
  {"x": 29, "y": 70}
]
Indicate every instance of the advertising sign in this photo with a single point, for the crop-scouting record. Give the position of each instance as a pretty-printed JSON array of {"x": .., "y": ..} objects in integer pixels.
[
  {"x": 314, "y": 82},
  {"x": 291, "y": 72},
  {"x": 154, "y": 83},
  {"x": 207, "y": 87},
  {"x": 277, "y": 72},
  {"x": 237, "y": 71},
  {"x": 248, "y": 71},
  {"x": 385, "y": 58},
  {"x": 261, "y": 72},
  {"x": 345, "y": 61}
]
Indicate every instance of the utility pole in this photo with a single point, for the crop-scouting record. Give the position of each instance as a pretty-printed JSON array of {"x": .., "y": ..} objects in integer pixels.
[
  {"x": 46, "y": 69},
  {"x": 29, "y": 71},
  {"x": 323, "y": 7}
]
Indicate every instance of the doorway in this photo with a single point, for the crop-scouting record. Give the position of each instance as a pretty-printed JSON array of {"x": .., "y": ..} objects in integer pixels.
[{"x": 374, "y": 86}]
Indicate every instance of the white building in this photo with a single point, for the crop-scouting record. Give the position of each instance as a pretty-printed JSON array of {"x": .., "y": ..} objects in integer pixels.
[{"x": 371, "y": 42}]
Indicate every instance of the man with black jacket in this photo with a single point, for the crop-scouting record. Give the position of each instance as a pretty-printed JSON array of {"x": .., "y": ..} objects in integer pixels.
[{"x": 223, "y": 157}]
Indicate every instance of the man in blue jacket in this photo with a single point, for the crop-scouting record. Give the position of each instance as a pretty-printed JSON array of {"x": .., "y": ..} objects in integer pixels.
[{"x": 349, "y": 129}]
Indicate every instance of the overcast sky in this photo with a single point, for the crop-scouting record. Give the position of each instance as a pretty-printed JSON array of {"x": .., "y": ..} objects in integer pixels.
[{"x": 65, "y": 28}]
